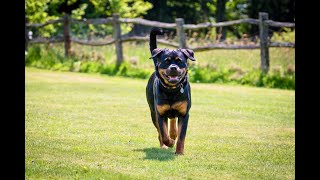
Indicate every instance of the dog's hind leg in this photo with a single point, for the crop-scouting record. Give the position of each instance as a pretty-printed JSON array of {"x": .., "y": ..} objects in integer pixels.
[{"x": 173, "y": 128}]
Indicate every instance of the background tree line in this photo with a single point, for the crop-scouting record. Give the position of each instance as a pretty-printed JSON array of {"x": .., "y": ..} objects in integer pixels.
[{"x": 193, "y": 12}]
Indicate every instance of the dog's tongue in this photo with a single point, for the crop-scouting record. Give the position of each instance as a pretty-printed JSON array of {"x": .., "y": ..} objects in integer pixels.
[{"x": 173, "y": 78}]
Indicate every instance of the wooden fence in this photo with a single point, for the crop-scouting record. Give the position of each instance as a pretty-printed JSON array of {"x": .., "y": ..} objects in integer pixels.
[{"x": 263, "y": 22}]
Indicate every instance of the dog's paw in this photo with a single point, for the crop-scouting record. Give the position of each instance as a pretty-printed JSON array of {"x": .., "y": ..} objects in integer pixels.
[
  {"x": 170, "y": 142},
  {"x": 173, "y": 135},
  {"x": 179, "y": 153},
  {"x": 164, "y": 147}
]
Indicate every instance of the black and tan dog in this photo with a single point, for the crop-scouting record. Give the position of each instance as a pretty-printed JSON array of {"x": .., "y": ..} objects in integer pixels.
[{"x": 168, "y": 93}]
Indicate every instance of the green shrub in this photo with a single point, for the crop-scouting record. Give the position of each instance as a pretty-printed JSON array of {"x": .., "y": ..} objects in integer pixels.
[
  {"x": 253, "y": 78},
  {"x": 57, "y": 67},
  {"x": 90, "y": 67},
  {"x": 196, "y": 74},
  {"x": 278, "y": 81},
  {"x": 94, "y": 67},
  {"x": 37, "y": 57},
  {"x": 34, "y": 53},
  {"x": 109, "y": 69},
  {"x": 128, "y": 70},
  {"x": 84, "y": 66},
  {"x": 123, "y": 69}
]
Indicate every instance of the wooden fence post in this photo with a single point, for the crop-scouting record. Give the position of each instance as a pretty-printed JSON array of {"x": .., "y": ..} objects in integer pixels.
[
  {"x": 66, "y": 35},
  {"x": 26, "y": 35},
  {"x": 117, "y": 38},
  {"x": 264, "y": 43},
  {"x": 180, "y": 32}
]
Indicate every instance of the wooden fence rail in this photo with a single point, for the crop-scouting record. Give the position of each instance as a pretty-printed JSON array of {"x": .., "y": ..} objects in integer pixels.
[{"x": 263, "y": 22}]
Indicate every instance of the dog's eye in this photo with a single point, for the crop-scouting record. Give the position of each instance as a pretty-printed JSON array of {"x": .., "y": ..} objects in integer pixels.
[{"x": 167, "y": 61}]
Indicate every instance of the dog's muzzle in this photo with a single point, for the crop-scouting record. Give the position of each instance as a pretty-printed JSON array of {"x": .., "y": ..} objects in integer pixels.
[{"x": 173, "y": 74}]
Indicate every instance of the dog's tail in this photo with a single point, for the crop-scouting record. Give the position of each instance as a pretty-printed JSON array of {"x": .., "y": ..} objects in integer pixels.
[{"x": 153, "y": 37}]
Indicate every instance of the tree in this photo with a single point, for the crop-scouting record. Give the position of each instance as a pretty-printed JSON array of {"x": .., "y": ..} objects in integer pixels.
[
  {"x": 283, "y": 11},
  {"x": 199, "y": 11},
  {"x": 39, "y": 11},
  {"x": 193, "y": 11}
]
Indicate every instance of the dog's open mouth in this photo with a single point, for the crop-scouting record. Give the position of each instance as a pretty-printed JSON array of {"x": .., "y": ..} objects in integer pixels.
[{"x": 172, "y": 78}]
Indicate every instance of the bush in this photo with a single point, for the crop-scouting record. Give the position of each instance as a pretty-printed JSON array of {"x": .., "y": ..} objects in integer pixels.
[
  {"x": 276, "y": 79},
  {"x": 127, "y": 70},
  {"x": 34, "y": 53},
  {"x": 109, "y": 69},
  {"x": 90, "y": 67},
  {"x": 253, "y": 78},
  {"x": 37, "y": 57}
]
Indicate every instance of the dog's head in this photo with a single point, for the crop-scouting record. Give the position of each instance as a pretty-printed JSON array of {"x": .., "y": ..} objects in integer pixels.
[{"x": 172, "y": 65}]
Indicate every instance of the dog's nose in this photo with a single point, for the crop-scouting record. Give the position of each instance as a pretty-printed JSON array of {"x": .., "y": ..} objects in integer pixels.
[{"x": 173, "y": 68}]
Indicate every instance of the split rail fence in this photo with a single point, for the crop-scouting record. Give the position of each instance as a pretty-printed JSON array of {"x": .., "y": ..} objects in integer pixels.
[{"x": 263, "y": 22}]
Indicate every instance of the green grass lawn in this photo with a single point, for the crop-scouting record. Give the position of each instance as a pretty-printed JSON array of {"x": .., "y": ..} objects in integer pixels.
[{"x": 90, "y": 126}]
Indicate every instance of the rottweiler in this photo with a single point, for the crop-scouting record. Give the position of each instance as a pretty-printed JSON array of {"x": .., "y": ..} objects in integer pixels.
[{"x": 168, "y": 92}]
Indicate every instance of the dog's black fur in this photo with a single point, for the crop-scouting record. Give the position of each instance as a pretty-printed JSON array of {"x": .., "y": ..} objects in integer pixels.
[{"x": 168, "y": 92}]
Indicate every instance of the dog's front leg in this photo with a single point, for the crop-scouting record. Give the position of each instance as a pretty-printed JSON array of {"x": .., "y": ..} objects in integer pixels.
[
  {"x": 182, "y": 130},
  {"x": 163, "y": 126}
]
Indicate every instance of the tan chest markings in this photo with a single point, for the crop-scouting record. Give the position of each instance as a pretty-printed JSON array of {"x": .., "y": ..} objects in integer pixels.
[{"x": 180, "y": 106}]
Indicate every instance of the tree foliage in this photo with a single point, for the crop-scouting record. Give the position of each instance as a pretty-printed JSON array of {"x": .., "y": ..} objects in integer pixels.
[
  {"x": 39, "y": 11},
  {"x": 193, "y": 11},
  {"x": 126, "y": 8}
]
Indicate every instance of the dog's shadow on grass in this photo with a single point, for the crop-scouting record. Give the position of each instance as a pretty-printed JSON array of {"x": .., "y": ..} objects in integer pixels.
[{"x": 158, "y": 154}]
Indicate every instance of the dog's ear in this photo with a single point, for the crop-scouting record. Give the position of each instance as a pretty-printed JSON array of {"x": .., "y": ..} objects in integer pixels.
[
  {"x": 188, "y": 53},
  {"x": 155, "y": 53}
]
